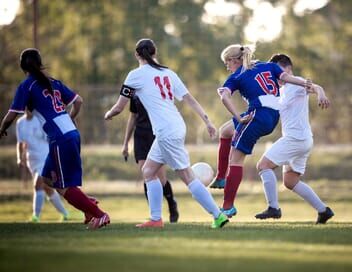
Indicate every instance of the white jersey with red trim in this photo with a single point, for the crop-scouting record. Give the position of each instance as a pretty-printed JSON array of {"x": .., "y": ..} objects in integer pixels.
[
  {"x": 157, "y": 90},
  {"x": 294, "y": 112}
]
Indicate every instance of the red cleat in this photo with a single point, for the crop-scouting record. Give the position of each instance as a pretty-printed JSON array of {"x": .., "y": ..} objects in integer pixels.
[
  {"x": 151, "y": 224},
  {"x": 88, "y": 216},
  {"x": 96, "y": 223}
]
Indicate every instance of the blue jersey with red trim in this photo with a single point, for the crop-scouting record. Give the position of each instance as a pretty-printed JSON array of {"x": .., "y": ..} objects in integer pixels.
[
  {"x": 49, "y": 108},
  {"x": 261, "y": 79}
]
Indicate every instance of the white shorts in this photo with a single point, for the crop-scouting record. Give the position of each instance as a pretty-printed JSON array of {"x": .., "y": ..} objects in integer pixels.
[
  {"x": 291, "y": 153},
  {"x": 36, "y": 168},
  {"x": 171, "y": 152}
]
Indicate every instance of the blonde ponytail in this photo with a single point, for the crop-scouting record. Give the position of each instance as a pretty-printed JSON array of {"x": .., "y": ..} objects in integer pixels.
[{"x": 237, "y": 51}]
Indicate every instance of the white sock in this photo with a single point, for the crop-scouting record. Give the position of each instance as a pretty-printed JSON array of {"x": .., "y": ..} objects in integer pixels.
[
  {"x": 204, "y": 198},
  {"x": 269, "y": 183},
  {"x": 307, "y": 193},
  {"x": 38, "y": 202},
  {"x": 56, "y": 201},
  {"x": 155, "y": 198}
]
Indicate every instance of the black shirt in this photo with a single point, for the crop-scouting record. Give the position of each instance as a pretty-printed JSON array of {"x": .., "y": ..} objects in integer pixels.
[{"x": 142, "y": 120}]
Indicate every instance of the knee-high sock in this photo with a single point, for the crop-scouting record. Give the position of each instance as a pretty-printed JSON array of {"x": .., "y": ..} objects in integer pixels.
[
  {"x": 269, "y": 183},
  {"x": 233, "y": 181},
  {"x": 38, "y": 202},
  {"x": 155, "y": 198},
  {"x": 57, "y": 203},
  {"x": 204, "y": 198},
  {"x": 307, "y": 193},
  {"x": 81, "y": 201},
  {"x": 223, "y": 157},
  {"x": 169, "y": 195}
]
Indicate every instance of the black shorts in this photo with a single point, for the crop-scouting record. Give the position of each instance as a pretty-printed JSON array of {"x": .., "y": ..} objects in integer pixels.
[{"x": 143, "y": 140}]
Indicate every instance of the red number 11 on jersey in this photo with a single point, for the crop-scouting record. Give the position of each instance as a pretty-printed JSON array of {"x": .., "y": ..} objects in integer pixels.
[{"x": 166, "y": 84}]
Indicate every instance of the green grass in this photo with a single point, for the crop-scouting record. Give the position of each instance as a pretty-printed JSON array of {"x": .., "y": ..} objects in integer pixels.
[{"x": 293, "y": 243}]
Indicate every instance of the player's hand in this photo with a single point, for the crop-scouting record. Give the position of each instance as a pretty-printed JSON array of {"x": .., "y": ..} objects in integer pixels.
[
  {"x": 247, "y": 118},
  {"x": 211, "y": 130},
  {"x": 108, "y": 116},
  {"x": 3, "y": 133},
  {"x": 323, "y": 101},
  {"x": 125, "y": 152}
]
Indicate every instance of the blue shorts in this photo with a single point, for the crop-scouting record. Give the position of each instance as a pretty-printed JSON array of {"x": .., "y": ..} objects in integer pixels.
[
  {"x": 63, "y": 165},
  {"x": 246, "y": 135}
]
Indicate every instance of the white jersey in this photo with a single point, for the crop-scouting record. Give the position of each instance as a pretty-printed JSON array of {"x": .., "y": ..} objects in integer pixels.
[
  {"x": 294, "y": 112},
  {"x": 157, "y": 90},
  {"x": 31, "y": 132}
]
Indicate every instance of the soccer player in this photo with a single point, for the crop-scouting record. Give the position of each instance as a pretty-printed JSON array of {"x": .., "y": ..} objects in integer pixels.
[
  {"x": 139, "y": 124},
  {"x": 157, "y": 87},
  {"x": 257, "y": 83},
  {"x": 47, "y": 98},
  {"x": 293, "y": 148},
  {"x": 32, "y": 149}
]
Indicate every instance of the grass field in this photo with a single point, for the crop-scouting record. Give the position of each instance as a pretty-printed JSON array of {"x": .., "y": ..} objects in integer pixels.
[{"x": 293, "y": 243}]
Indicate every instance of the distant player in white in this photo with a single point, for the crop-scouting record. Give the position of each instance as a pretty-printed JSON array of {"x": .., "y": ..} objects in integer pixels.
[
  {"x": 157, "y": 87},
  {"x": 32, "y": 150},
  {"x": 293, "y": 148}
]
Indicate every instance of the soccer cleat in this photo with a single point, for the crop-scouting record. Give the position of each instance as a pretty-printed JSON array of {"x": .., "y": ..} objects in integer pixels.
[
  {"x": 65, "y": 218},
  {"x": 269, "y": 213},
  {"x": 34, "y": 219},
  {"x": 325, "y": 216},
  {"x": 96, "y": 223},
  {"x": 229, "y": 212},
  {"x": 151, "y": 224},
  {"x": 218, "y": 183},
  {"x": 173, "y": 213},
  {"x": 220, "y": 221},
  {"x": 88, "y": 216}
]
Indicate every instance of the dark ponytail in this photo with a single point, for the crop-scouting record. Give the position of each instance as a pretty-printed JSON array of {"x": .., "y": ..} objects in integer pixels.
[
  {"x": 146, "y": 48},
  {"x": 31, "y": 62}
]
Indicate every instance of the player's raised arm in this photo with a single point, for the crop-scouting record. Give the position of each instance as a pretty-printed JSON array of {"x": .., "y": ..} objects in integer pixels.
[{"x": 194, "y": 104}]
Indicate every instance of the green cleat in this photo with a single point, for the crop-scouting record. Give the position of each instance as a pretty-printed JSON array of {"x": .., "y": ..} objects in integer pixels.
[
  {"x": 220, "y": 221},
  {"x": 34, "y": 219},
  {"x": 65, "y": 218}
]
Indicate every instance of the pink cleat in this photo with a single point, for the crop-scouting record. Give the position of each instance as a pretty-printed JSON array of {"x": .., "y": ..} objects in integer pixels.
[
  {"x": 151, "y": 224},
  {"x": 88, "y": 216},
  {"x": 96, "y": 223}
]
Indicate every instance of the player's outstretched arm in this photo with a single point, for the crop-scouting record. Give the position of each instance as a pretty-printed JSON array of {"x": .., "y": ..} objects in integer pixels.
[
  {"x": 193, "y": 103},
  {"x": 117, "y": 108},
  {"x": 6, "y": 122},
  {"x": 306, "y": 83}
]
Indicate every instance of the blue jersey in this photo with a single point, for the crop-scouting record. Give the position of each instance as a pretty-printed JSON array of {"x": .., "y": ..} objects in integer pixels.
[
  {"x": 50, "y": 109},
  {"x": 260, "y": 80}
]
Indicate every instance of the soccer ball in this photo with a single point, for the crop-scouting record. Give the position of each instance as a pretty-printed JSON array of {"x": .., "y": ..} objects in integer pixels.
[{"x": 203, "y": 172}]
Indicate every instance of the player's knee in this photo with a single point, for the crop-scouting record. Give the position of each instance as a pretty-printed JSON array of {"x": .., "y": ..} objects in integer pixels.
[
  {"x": 262, "y": 165},
  {"x": 288, "y": 184},
  {"x": 147, "y": 173}
]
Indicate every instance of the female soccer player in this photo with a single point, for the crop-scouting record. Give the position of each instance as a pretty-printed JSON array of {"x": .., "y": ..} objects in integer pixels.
[
  {"x": 143, "y": 138},
  {"x": 32, "y": 149},
  {"x": 157, "y": 87},
  {"x": 47, "y": 98},
  {"x": 293, "y": 148},
  {"x": 257, "y": 83}
]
